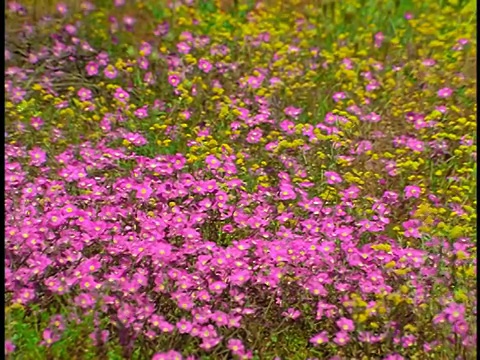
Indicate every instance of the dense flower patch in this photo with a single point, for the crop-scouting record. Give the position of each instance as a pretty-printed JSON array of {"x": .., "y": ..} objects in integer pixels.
[{"x": 208, "y": 180}]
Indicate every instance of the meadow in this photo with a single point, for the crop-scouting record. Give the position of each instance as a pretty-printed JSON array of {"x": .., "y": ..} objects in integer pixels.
[{"x": 240, "y": 180}]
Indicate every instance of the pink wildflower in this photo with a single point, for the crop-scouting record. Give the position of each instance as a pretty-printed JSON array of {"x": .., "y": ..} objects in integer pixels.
[
  {"x": 319, "y": 339},
  {"x": 92, "y": 68},
  {"x": 445, "y": 93},
  {"x": 121, "y": 95},
  {"x": 204, "y": 65},
  {"x": 37, "y": 156},
  {"x": 412, "y": 191},
  {"x": 174, "y": 80},
  {"x": 333, "y": 177}
]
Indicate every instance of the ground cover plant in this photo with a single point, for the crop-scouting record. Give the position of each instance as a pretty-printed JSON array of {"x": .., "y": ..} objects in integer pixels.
[{"x": 240, "y": 180}]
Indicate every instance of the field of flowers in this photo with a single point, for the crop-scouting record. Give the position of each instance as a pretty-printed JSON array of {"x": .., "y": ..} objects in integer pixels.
[{"x": 240, "y": 180}]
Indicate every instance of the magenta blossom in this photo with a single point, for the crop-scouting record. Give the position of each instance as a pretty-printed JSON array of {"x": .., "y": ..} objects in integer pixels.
[
  {"x": 412, "y": 191},
  {"x": 84, "y": 94},
  {"x": 339, "y": 96},
  {"x": 62, "y": 8},
  {"x": 121, "y": 95},
  {"x": 346, "y": 324},
  {"x": 212, "y": 162},
  {"x": 92, "y": 68},
  {"x": 9, "y": 347},
  {"x": 36, "y": 122},
  {"x": 319, "y": 339},
  {"x": 341, "y": 338},
  {"x": 110, "y": 72},
  {"x": 445, "y": 93},
  {"x": 333, "y": 177},
  {"x": 37, "y": 156},
  {"x": 174, "y": 80},
  {"x": 287, "y": 192},
  {"x": 141, "y": 113},
  {"x": 204, "y": 65},
  {"x": 183, "y": 48}
]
